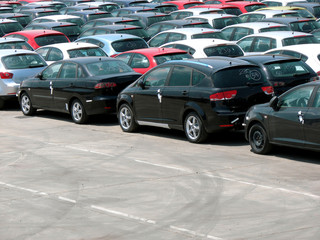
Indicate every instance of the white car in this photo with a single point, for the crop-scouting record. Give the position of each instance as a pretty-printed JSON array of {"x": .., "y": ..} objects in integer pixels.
[
  {"x": 261, "y": 42},
  {"x": 309, "y": 53},
  {"x": 202, "y": 48},
  {"x": 275, "y": 3},
  {"x": 262, "y": 14},
  {"x": 183, "y": 34},
  {"x": 62, "y": 51},
  {"x": 237, "y": 31},
  {"x": 183, "y": 13},
  {"x": 217, "y": 21},
  {"x": 59, "y": 18}
]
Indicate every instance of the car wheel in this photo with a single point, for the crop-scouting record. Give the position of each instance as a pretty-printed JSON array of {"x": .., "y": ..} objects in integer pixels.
[
  {"x": 78, "y": 112},
  {"x": 26, "y": 105},
  {"x": 258, "y": 140},
  {"x": 194, "y": 129},
  {"x": 126, "y": 119}
]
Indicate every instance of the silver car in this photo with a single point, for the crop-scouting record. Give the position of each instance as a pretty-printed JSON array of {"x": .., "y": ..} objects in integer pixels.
[{"x": 15, "y": 66}]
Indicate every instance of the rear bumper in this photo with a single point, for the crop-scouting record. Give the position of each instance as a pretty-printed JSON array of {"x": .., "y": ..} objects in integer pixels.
[
  {"x": 225, "y": 121},
  {"x": 101, "y": 105}
]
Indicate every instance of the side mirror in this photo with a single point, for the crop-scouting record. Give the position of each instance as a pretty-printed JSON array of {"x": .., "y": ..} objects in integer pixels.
[
  {"x": 274, "y": 103},
  {"x": 141, "y": 83},
  {"x": 39, "y": 75}
]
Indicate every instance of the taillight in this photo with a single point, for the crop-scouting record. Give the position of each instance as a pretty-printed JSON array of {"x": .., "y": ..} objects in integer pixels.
[
  {"x": 268, "y": 90},
  {"x": 315, "y": 78},
  {"x": 227, "y": 95},
  {"x": 279, "y": 84},
  {"x": 105, "y": 85},
  {"x": 6, "y": 75}
]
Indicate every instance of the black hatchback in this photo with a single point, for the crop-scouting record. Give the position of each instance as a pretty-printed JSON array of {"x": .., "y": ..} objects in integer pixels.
[{"x": 199, "y": 96}]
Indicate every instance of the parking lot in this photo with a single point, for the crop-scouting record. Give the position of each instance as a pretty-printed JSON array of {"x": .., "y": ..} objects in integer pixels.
[{"x": 61, "y": 180}]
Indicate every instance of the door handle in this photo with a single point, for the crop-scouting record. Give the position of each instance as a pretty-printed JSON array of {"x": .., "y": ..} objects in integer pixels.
[
  {"x": 300, "y": 116},
  {"x": 159, "y": 95},
  {"x": 185, "y": 92}
]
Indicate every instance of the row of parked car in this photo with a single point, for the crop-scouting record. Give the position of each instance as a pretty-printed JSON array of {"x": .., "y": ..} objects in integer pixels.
[{"x": 191, "y": 79}]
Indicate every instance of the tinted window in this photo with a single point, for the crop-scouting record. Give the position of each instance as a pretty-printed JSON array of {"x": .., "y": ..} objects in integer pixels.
[
  {"x": 134, "y": 31},
  {"x": 198, "y": 25},
  {"x": 15, "y": 45},
  {"x": 316, "y": 11},
  {"x": 271, "y": 29},
  {"x": 155, "y": 19},
  {"x": 77, "y": 21},
  {"x": 197, "y": 77},
  {"x": 245, "y": 44},
  {"x": 299, "y": 40},
  {"x": 218, "y": 35},
  {"x": 68, "y": 70},
  {"x": 305, "y": 26},
  {"x": 139, "y": 61},
  {"x": 69, "y": 30},
  {"x": 223, "y": 22},
  {"x": 108, "y": 67},
  {"x": 233, "y": 11},
  {"x": 99, "y": 15},
  {"x": 176, "y": 37},
  {"x": 180, "y": 76},
  {"x": 252, "y": 8},
  {"x": 124, "y": 57},
  {"x": 237, "y": 77},
  {"x": 158, "y": 40},
  {"x": 223, "y": 50},
  {"x": 51, "y": 71},
  {"x": 157, "y": 77},
  {"x": 297, "y": 98},
  {"x": 182, "y": 47},
  {"x": 168, "y": 57},
  {"x": 129, "y": 44},
  {"x": 295, "y": 54},
  {"x": 316, "y": 102},
  {"x": 287, "y": 69},
  {"x": 263, "y": 44},
  {"x": 241, "y": 32},
  {"x": 22, "y": 61},
  {"x": 10, "y": 27},
  {"x": 86, "y": 52},
  {"x": 55, "y": 55},
  {"x": 51, "y": 39}
]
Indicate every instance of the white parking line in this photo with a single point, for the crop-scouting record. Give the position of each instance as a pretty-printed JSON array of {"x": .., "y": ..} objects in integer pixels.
[
  {"x": 67, "y": 199},
  {"x": 193, "y": 233}
]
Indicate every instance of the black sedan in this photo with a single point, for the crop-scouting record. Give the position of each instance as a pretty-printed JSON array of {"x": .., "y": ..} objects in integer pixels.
[
  {"x": 293, "y": 119},
  {"x": 199, "y": 96},
  {"x": 81, "y": 87}
]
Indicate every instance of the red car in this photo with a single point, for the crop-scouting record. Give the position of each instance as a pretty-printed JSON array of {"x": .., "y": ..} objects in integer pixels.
[
  {"x": 246, "y": 6},
  {"x": 142, "y": 60},
  {"x": 229, "y": 9},
  {"x": 39, "y": 38},
  {"x": 184, "y": 4}
]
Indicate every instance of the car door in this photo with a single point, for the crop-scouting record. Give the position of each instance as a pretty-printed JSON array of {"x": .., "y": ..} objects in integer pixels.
[
  {"x": 148, "y": 99},
  {"x": 43, "y": 92},
  {"x": 286, "y": 125},
  {"x": 175, "y": 94},
  {"x": 312, "y": 123},
  {"x": 64, "y": 86}
]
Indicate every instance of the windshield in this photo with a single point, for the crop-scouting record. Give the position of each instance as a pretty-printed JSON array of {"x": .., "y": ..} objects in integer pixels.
[
  {"x": 23, "y": 61},
  {"x": 223, "y": 50},
  {"x": 50, "y": 39},
  {"x": 168, "y": 57},
  {"x": 287, "y": 69},
  {"x": 108, "y": 67},
  {"x": 86, "y": 52},
  {"x": 128, "y": 44}
]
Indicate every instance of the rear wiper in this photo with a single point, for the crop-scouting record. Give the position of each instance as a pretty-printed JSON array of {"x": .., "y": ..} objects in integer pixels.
[
  {"x": 35, "y": 66},
  {"x": 254, "y": 83}
]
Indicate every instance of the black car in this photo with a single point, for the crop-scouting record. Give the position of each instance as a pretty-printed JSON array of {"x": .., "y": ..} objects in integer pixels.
[
  {"x": 284, "y": 72},
  {"x": 199, "y": 96},
  {"x": 79, "y": 86},
  {"x": 293, "y": 119}
]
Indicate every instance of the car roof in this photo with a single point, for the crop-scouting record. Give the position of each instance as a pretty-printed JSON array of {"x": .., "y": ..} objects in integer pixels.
[
  {"x": 279, "y": 34},
  {"x": 111, "y": 37},
  {"x": 270, "y": 12},
  {"x": 266, "y": 59},
  {"x": 255, "y": 25},
  {"x": 8, "y": 52},
  {"x": 211, "y": 16},
  {"x": 197, "y": 10},
  {"x": 191, "y": 30},
  {"x": 287, "y": 20},
  {"x": 85, "y": 60},
  {"x": 156, "y": 51},
  {"x": 201, "y": 43},
  {"x": 58, "y": 17},
  {"x": 53, "y": 24},
  {"x": 70, "y": 45},
  {"x": 116, "y": 27},
  {"x": 148, "y": 14},
  {"x": 302, "y": 48},
  {"x": 179, "y": 22},
  {"x": 37, "y": 32}
]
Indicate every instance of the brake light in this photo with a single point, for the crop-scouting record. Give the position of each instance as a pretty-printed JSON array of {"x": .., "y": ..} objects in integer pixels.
[
  {"x": 6, "y": 75},
  {"x": 105, "y": 85},
  {"x": 227, "y": 95},
  {"x": 268, "y": 90}
]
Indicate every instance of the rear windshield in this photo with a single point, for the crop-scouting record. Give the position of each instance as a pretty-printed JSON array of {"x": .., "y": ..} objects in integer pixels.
[
  {"x": 99, "y": 15},
  {"x": 254, "y": 7},
  {"x": 139, "y": 32},
  {"x": 77, "y": 21},
  {"x": 69, "y": 30},
  {"x": 108, "y": 67},
  {"x": 129, "y": 22},
  {"x": 238, "y": 77},
  {"x": 271, "y": 29},
  {"x": 42, "y": 14},
  {"x": 233, "y": 11},
  {"x": 198, "y": 25},
  {"x": 86, "y": 52},
  {"x": 287, "y": 69},
  {"x": 23, "y": 61},
  {"x": 10, "y": 27},
  {"x": 305, "y": 26},
  {"x": 22, "y": 20},
  {"x": 155, "y": 19},
  {"x": 316, "y": 12},
  {"x": 218, "y": 35},
  {"x": 168, "y": 57},
  {"x": 223, "y": 22},
  {"x": 299, "y": 40},
  {"x": 15, "y": 45},
  {"x": 223, "y": 50},
  {"x": 50, "y": 39},
  {"x": 129, "y": 44}
]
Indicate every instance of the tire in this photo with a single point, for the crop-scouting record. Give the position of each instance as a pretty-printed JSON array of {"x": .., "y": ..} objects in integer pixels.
[
  {"x": 193, "y": 128},
  {"x": 258, "y": 140},
  {"x": 126, "y": 119},
  {"x": 26, "y": 105},
  {"x": 78, "y": 112}
]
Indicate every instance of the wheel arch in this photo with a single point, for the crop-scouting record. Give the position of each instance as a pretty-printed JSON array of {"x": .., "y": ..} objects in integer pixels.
[{"x": 193, "y": 107}]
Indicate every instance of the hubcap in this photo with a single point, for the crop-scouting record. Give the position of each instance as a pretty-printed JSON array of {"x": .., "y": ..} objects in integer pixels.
[
  {"x": 125, "y": 118},
  {"x": 77, "y": 111},
  {"x": 257, "y": 139},
  {"x": 25, "y": 104},
  {"x": 193, "y": 127}
]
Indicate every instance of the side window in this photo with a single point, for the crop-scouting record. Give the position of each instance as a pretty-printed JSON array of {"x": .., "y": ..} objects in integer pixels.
[
  {"x": 180, "y": 76},
  {"x": 158, "y": 40},
  {"x": 43, "y": 52},
  {"x": 262, "y": 44},
  {"x": 139, "y": 61},
  {"x": 174, "y": 15},
  {"x": 297, "y": 98},
  {"x": 125, "y": 57},
  {"x": 68, "y": 70},
  {"x": 95, "y": 42},
  {"x": 240, "y": 33},
  {"x": 55, "y": 55},
  {"x": 228, "y": 32},
  {"x": 316, "y": 102},
  {"x": 51, "y": 71},
  {"x": 245, "y": 44},
  {"x": 152, "y": 30},
  {"x": 80, "y": 73},
  {"x": 156, "y": 77},
  {"x": 176, "y": 37},
  {"x": 197, "y": 77},
  {"x": 185, "y": 48}
]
